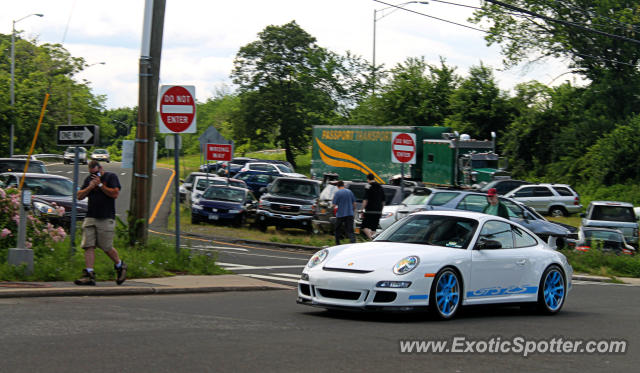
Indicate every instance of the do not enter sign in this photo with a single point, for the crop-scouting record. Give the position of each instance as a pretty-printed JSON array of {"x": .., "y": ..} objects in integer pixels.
[
  {"x": 177, "y": 108},
  {"x": 403, "y": 147}
]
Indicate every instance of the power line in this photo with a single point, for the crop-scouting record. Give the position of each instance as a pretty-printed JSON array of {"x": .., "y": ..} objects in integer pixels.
[
  {"x": 623, "y": 25},
  {"x": 506, "y": 37}
]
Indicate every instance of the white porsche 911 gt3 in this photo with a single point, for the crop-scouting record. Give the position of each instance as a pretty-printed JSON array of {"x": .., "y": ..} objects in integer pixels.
[{"x": 440, "y": 260}]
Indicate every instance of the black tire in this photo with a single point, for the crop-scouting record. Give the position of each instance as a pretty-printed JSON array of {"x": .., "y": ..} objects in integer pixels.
[
  {"x": 262, "y": 226},
  {"x": 552, "y": 291},
  {"x": 444, "y": 304},
  {"x": 194, "y": 219},
  {"x": 240, "y": 221},
  {"x": 557, "y": 211}
]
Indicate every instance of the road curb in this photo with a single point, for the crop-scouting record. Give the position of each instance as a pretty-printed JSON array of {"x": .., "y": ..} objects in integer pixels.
[
  {"x": 590, "y": 278},
  {"x": 83, "y": 292}
]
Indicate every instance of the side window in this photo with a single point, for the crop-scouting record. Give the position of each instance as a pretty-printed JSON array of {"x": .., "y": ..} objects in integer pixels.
[
  {"x": 524, "y": 192},
  {"x": 563, "y": 191},
  {"x": 542, "y": 192},
  {"x": 514, "y": 210},
  {"x": 473, "y": 202},
  {"x": 522, "y": 238},
  {"x": 439, "y": 199},
  {"x": 498, "y": 231}
]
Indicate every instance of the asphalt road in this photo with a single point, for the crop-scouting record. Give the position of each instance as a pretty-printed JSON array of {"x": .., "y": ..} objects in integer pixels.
[{"x": 267, "y": 331}]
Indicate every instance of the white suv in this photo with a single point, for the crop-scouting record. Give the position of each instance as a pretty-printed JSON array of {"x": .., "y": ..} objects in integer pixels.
[{"x": 551, "y": 199}]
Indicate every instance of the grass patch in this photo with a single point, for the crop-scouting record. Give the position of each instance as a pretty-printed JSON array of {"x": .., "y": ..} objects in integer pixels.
[
  {"x": 287, "y": 235},
  {"x": 574, "y": 220},
  {"x": 595, "y": 262},
  {"x": 157, "y": 259}
]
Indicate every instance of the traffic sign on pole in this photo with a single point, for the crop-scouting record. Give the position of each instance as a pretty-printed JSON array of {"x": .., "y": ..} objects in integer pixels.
[
  {"x": 84, "y": 135},
  {"x": 219, "y": 152},
  {"x": 177, "y": 108},
  {"x": 403, "y": 147}
]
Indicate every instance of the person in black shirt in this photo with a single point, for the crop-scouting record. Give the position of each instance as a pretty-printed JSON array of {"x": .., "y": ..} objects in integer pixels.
[
  {"x": 372, "y": 205},
  {"x": 98, "y": 227}
]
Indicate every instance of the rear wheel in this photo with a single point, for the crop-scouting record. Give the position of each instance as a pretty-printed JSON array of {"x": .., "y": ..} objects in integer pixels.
[
  {"x": 552, "y": 290},
  {"x": 557, "y": 212},
  {"x": 445, "y": 296}
]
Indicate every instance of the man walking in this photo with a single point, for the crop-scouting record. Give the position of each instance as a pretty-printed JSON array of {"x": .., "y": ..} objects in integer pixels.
[
  {"x": 372, "y": 206},
  {"x": 346, "y": 204},
  {"x": 98, "y": 227},
  {"x": 495, "y": 207}
]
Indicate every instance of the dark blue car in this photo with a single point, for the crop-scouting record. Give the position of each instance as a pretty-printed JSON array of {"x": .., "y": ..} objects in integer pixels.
[
  {"x": 256, "y": 180},
  {"x": 225, "y": 204}
]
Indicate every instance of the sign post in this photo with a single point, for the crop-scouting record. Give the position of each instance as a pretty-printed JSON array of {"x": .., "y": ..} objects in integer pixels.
[
  {"x": 177, "y": 108},
  {"x": 76, "y": 135},
  {"x": 403, "y": 150}
]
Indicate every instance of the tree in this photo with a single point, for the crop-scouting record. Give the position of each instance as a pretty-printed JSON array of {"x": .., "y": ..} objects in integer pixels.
[
  {"x": 287, "y": 84},
  {"x": 478, "y": 106},
  {"x": 41, "y": 69},
  {"x": 609, "y": 58}
]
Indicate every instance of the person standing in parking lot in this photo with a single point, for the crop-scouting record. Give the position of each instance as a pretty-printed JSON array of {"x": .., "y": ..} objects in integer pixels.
[
  {"x": 495, "y": 207},
  {"x": 345, "y": 202},
  {"x": 372, "y": 206},
  {"x": 98, "y": 227}
]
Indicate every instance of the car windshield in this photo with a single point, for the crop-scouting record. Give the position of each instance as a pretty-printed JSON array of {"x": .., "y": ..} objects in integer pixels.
[
  {"x": 72, "y": 149},
  {"x": 294, "y": 188},
  {"x": 446, "y": 231},
  {"x": 602, "y": 235},
  {"x": 100, "y": 151},
  {"x": 284, "y": 168},
  {"x": 224, "y": 194},
  {"x": 204, "y": 183},
  {"x": 417, "y": 199},
  {"x": 237, "y": 183},
  {"x": 613, "y": 213},
  {"x": 49, "y": 186}
]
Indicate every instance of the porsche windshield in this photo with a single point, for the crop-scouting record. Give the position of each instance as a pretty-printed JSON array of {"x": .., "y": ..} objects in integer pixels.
[{"x": 447, "y": 231}]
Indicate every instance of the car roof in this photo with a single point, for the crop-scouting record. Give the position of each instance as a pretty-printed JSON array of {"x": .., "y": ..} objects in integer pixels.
[
  {"x": 611, "y": 203},
  {"x": 298, "y": 179},
  {"x": 35, "y": 174},
  {"x": 462, "y": 213}
]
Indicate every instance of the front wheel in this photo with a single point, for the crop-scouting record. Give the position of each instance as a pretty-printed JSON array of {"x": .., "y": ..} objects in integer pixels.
[
  {"x": 194, "y": 219},
  {"x": 445, "y": 296},
  {"x": 552, "y": 291}
]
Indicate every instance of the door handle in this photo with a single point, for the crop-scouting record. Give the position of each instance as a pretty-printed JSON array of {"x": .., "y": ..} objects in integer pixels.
[{"x": 521, "y": 262}]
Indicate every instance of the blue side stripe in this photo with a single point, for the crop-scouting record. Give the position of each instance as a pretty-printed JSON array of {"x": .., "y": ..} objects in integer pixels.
[
  {"x": 419, "y": 296},
  {"x": 489, "y": 292}
]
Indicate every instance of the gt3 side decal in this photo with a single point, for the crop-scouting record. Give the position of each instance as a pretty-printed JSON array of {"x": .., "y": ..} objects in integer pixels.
[
  {"x": 419, "y": 296},
  {"x": 488, "y": 292}
]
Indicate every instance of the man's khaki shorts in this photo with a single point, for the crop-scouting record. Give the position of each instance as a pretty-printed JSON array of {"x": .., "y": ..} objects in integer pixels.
[{"x": 98, "y": 233}]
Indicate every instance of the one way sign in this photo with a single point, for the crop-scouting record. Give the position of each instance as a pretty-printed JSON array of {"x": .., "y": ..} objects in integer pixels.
[{"x": 78, "y": 135}]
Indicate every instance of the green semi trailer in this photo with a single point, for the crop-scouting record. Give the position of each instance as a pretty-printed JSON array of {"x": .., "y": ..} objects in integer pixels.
[{"x": 443, "y": 158}]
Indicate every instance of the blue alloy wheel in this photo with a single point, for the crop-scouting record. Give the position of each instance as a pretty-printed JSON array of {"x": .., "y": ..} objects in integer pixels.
[
  {"x": 445, "y": 294},
  {"x": 551, "y": 298}
]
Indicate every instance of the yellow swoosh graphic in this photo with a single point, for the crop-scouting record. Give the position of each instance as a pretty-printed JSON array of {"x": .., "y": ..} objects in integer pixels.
[{"x": 359, "y": 166}]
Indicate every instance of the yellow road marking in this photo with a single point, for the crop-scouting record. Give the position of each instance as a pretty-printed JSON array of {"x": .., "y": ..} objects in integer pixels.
[{"x": 164, "y": 194}]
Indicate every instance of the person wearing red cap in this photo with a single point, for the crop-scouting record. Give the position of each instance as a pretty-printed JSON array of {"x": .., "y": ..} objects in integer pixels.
[{"x": 495, "y": 207}]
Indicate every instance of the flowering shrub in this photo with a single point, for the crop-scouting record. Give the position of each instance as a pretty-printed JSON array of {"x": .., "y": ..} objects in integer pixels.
[{"x": 38, "y": 234}]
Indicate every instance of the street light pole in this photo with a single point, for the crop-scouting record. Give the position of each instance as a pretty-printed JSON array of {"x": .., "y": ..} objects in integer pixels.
[
  {"x": 375, "y": 20},
  {"x": 11, "y": 87}
]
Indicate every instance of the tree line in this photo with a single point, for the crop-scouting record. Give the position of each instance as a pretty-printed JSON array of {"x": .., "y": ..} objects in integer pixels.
[{"x": 285, "y": 83}]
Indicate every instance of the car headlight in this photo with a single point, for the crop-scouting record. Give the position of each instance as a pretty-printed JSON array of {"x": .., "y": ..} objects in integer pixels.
[
  {"x": 196, "y": 207},
  {"x": 406, "y": 265},
  {"x": 43, "y": 208},
  {"x": 318, "y": 258},
  {"x": 234, "y": 211}
]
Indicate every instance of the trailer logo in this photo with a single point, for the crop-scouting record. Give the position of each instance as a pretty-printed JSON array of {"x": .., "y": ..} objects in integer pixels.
[{"x": 403, "y": 148}]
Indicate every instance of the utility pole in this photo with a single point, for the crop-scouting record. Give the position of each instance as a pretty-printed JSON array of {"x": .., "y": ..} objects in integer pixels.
[{"x": 146, "y": 132}]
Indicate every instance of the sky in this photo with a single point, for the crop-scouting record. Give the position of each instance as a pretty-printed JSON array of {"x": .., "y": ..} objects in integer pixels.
[{"x": 202, "y": 37}]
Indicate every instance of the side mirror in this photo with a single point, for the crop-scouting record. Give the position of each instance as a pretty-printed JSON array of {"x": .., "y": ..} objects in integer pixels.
[{"x": 484, "y": 244}]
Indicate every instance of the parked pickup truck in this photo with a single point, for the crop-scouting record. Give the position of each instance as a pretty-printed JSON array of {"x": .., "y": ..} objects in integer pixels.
[
  {"x": 614, "y": 215},
  {"x": 288, "y": 202}
]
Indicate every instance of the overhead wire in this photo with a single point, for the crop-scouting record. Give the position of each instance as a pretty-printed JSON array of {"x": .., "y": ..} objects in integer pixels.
[{"x": 506, "y": 37}]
